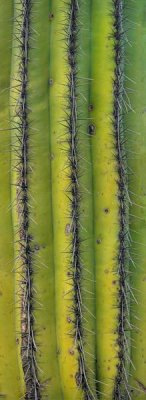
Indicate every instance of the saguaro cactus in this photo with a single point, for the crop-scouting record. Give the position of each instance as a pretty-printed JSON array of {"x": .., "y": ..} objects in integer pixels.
[{"x": 72, "y": 202}]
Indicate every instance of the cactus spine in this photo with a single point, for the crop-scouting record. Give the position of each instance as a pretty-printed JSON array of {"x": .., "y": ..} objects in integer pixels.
[{"x": 72, "y": 245}]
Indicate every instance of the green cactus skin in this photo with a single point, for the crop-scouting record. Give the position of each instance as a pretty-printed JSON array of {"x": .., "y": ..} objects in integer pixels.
[
  {"x": 11, "y": 382},
  {"x": 72, "y": 99},
  {"x": 60, "y": 178},
  {"x": 135, "y": 134},
  {"x": 32, "y": 140},
  {"x": 109, "y": 197},
  {"x": 74, "y": 306},
  {"x": 86, "y": 194},
  {"x": 41, "y": 214}
]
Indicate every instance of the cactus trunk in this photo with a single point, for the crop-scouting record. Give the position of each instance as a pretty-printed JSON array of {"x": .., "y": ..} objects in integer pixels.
[{"x": 72, "y": 210}]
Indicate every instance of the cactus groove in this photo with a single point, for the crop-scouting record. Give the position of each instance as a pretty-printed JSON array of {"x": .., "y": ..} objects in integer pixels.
[{"x": 72, "y": 202}]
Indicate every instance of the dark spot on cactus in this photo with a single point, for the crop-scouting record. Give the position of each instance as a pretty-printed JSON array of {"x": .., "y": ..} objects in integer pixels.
[
  {"x": 106, "y": 271},
  {"x": 71, "y": 352},
  {"x": 50, "y": 82},
  {"x": 106, "y": 210},
  {"x": 67, "y": 229},
  {"x": 98, "y": 241},
  {"x": 52, "y": 156},
  {"x": 69, "y": 273},
  {"x": 36, "y": 247},
  {"x": 51, "y": 16},
  {"x": 91, "y": 129},
  {"x": 90, "y": 107},
  {"x": 58, "y": 351},
  {"x": 108, "y": 368},
  {"x": 114, "y": 282},
  {"x": 69, "y": 320},
  {"x": 78, "y": 378},
  {"x": 1, "y": 293},
  {"x": 17, "y": 341}
]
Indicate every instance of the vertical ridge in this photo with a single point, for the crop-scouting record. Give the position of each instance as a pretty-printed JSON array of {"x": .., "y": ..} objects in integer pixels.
[
  {"x": 28, "y": 334},
  {"x": 76, "y": 194},
  {"x": 121, "y": 387}
]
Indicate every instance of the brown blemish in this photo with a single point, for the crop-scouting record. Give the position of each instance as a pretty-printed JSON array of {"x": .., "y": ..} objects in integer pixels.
[
  {"x": 67, "y": 229},
  {"x": 69, "y": 320},
  {"x": 50, "y": 16},
  {"x": 52, "y": 156},
  {"x": 71, "y": 352},
  {"x": 69, "y": 273},
  {"x": 1, "y": 293},
  {"x": 106, "y": 210},
  {"x": 91, "y": 129},
  {"x": 36, "y": 247},
  {"x": 98, "y": 241},
  {"x": 106, "y": 271},
  {"x": 78, "y": 378},
  {"x": 50, "y": 82},
  {"x": 90, "y": 107},
  {"x": 114, "y": 282}
]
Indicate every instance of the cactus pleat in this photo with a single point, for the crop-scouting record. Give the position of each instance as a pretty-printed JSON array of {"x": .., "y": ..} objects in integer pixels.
[
  {"x": 108, "y": 199},
  {"x": 72, "y": 199},
  {"x": 10, "y": 375},
  {"x": 86, "y": 198},
  {"x": 61, "y": 208},
  {"x": 64, "y": 126},
  {"x": 135, "y": 133},
  {"x": 30, "y": 142}
]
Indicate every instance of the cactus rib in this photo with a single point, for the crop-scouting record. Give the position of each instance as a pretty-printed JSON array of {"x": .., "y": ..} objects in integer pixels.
[
  {"x": 109, "y": 195},
  {"x": 85, "y": 220},
  {"x": 75, "y": 192},
  {"x": 11, "y": 385},
  {"x": 38, "y": 223},
  {"x": 121, "y": 387},
  {"x": 61, "y": 202},
  {"x": 135, "y": 135},
  {"x": 28, "y": 336}
]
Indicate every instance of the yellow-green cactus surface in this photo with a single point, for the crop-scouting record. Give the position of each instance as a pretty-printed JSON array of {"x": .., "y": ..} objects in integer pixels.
[{"x": 72, "y": 200}]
